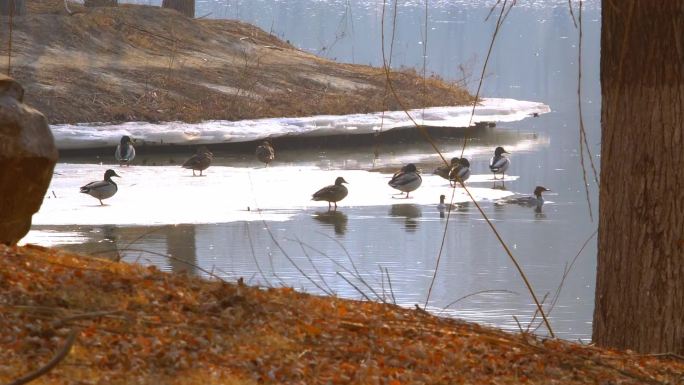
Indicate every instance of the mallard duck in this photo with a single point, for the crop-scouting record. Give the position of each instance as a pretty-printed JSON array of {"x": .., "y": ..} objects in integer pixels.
[
  {"x": 460, "y": 172},
  {"x": 333, "y": 193},
  {"x": 499, "y": 163},
  {"x": 445, "y": 206},
  {"x": 125, "y": 152},
  {"x": 444, "y": 170},
  {"x": 536, "y": 201},
  {"x": 102, "y": 189},
  {"x": 407, "y": 179},
  {"x": 200, "y": 161},
  {"x": 265, "y": 152}
]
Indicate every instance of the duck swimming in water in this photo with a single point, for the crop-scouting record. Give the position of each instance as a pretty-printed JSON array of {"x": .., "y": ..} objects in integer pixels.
[
  {"x": 444, "y": 206},
  {"x": 265, "y": 152},
  {"x": 125, "y": 152},
  {"x": 499, "y": 163},
  {"x": 536, "y": 201},
  {"x": 102, "y": 189},
  {"x": 200, "y": 161},
  {"x": 407, "y": 179},
  {"x": 333, "y": 193}
]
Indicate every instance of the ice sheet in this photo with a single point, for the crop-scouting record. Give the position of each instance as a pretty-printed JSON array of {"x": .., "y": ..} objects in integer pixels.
[
  {"x": 167, "y": 195},
  {"x": 81, "y": 136}
]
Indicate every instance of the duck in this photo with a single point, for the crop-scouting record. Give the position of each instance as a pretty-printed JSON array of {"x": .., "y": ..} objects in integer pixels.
[
  {"x": 444, "y": 170},
  {"x": 200, "y": 161},
  {"x": 536, "y": 201},
  {"x": 102, "y": 189},
  {"x": 499, "y": 163},
  {"x": 265, "y": 152},
  {"x": 444, "y": 206},
  {"x": 460, "y": 172},
  {"x": 333, "y": 193},
  {"x": 407, "y": 179},
  {"x": 125, "y": 152}
]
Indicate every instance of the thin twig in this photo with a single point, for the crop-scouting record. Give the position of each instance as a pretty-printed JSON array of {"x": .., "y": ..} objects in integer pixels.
[
  {"x": 389, "y": 283},
  {"x": 499, "y": 22},
  {"x": 256, "y": 262},
  {"x": 513, "y": 259},
  {"x": 477, "y": 293},
  {"x": 313, "y": 265},
  {"x": 351, "y": 260},
  {"x": 582, "y": 133},
  {"x": 441, "y": 248},
  {"x": 354, "y": 286},
  {"x": 56, "y": 359}
]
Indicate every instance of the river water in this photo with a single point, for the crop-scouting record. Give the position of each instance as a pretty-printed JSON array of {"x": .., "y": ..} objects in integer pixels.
[{"x": 377, "y": 246}]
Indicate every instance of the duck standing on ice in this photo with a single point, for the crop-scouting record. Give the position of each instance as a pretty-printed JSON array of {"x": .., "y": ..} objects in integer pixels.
[
  {"x": 102, "y": 189},
  {"x": 200, "y": 161},
  {"x": 499, "y": 163},
  {"x": 460, "y": 172},
  {"x": 407, "y": 179},
  {"x": 125, "y": 152},
  {"x": 265, "y": 152},
  {"x": 444, "y": 170},
  {"x": 333, "y": 193}
]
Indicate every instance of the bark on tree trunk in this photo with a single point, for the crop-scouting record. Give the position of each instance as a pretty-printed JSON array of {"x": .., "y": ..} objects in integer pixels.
[
  {"x": 15, "y": 7},
  {"x": 640, "y": 273},
  {"x": 101, "y": 3},
  {"x": 186, "y": 7}
]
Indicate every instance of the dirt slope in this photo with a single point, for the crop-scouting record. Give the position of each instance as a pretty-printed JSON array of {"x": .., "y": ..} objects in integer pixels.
[
  {"x": 146, "y": 63},
  {"x": 136, "y": 325}
]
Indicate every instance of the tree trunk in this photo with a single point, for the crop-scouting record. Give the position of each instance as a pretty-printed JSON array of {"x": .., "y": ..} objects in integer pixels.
[
  {"x": 101, "y": 3},
  {"x": 186, "y": 7},
  {"x": 640, "y": 272},
  {"x": 14, "y": 7}
]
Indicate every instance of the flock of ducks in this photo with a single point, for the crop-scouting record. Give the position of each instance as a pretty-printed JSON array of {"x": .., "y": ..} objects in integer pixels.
[{"x": 406, "y": 180}]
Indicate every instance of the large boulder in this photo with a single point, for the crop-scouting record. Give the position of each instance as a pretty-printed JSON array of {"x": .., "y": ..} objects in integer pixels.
[{"x": 27, "y": 158}]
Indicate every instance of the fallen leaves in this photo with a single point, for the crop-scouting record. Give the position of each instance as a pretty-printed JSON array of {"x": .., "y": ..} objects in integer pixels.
[{"x": 137, "y": 324}]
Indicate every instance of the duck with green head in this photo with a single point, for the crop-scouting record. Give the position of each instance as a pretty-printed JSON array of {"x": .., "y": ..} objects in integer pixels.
[{"x": 102, "y": 189}]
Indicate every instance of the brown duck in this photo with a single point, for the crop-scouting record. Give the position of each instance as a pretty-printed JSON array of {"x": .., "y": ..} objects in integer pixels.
[
  {"x": 200, "y": 161},
  {"x": 265, "y": 152},
  {"x": 333, "y": 193}
]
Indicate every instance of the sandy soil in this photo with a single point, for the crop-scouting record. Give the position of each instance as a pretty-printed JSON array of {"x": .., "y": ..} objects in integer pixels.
[{"x": 132, "y": 63}]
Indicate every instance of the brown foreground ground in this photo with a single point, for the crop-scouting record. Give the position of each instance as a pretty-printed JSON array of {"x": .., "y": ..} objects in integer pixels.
[
  {"x": 137, "y": 325},
  {"x": 145, "y": 63}
]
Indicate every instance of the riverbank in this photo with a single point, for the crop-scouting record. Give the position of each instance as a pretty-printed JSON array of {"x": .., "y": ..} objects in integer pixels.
[
  {"x": 133, "y": 324},
  {"x": 143, "y": 63}
]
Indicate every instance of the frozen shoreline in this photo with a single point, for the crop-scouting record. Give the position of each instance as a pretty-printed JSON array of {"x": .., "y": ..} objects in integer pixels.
[
  {"x": 97, "y": 135},
  {"x": 166, "y": 194}
]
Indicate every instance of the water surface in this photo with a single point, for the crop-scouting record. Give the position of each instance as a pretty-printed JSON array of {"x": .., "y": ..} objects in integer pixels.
[{"x": 304, "y": 246}]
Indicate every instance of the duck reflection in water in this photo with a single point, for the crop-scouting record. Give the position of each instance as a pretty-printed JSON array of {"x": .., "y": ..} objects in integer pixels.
[
  {"x": 336, "y": 219},
  {"x": 180, "y": 245},
  {"x": 408, "y": 211}
]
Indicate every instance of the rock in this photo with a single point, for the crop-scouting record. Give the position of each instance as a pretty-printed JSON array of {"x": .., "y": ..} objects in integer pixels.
[{"x": 27, "y": 159}]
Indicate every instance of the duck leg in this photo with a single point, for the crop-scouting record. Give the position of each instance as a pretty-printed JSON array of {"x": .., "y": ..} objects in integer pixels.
[
  {"x": 101, "y": 204},
  {"x": 335, "y": 206}
]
